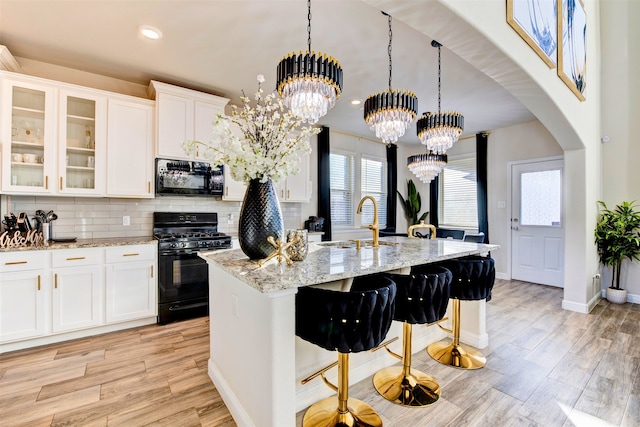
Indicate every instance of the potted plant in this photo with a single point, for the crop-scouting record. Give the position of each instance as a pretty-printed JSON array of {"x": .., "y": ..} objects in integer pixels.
[
  {"x": 617, "y": 236},
  {"x": 412, "y": 204}
]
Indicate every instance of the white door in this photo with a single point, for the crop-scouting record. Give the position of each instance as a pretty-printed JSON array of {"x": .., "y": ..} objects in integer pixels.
[{"x": 537, "y": 222}]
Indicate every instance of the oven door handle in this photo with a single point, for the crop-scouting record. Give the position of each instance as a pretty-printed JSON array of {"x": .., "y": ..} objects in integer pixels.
[
  {"x": 177, "y": 253},
  {"x": 178, "y": 307}
]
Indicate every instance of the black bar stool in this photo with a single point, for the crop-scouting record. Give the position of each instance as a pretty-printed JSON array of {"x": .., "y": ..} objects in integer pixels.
[
  {"x": 473, "y": 279},
  {"x": 347, "y": 322},
  {"x": 421, "y": 299}
]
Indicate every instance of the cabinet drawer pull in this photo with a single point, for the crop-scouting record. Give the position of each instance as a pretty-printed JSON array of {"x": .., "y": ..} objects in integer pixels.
[
  {"x": 152, "y": 271},
  {"x": 148, "y": 186},
  {"x": 15, "y": 262},
  {"x": 38, "y": 282},
  {"x": 226, "y": 190},
  {"x": 75, "y": 258},
  {"x": 46, "y": 182},
  {"x": 60, "y": 183},
  {"x": 55, "y": 281},
  {"x": 288, "y": 194},
  {"x": 130, "y": 254}
]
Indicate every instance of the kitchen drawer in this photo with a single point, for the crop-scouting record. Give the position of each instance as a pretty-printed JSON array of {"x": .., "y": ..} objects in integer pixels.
[
  {"x": 131, "y": 253},
  {"x": 24, "y": 260},
  {"x": 77, "y": 257}
]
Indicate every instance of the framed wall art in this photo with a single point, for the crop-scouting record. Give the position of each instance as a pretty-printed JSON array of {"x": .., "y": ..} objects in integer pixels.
[
  {"x": 536, "y": 21},
  {"x": 572, "y": 49}
]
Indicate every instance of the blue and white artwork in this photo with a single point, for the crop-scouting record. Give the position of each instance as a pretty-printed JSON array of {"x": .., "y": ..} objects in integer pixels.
[
  {"x": 572, "y": 54},
  {"x": 537, "y": 23}
]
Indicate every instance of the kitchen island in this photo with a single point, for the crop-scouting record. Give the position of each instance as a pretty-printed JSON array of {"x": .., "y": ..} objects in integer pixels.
[{"x": 257, "y": 362}]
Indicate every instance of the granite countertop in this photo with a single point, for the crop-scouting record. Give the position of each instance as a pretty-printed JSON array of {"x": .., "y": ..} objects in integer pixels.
[
  {"x": 332, "y": 261},
  {"x": 87, "y": 243}
]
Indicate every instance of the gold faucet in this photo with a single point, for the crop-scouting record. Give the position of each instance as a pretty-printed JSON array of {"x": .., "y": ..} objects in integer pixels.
[{"x": 373, "y": 227}]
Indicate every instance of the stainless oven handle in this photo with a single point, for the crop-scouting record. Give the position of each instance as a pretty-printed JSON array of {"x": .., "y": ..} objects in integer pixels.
[
  {"x": 188, "y": 306},
  {"x": 172, "y": 253}
]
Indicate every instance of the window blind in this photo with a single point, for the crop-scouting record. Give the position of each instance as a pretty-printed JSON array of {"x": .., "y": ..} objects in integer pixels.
[
  {"x": 373, "y": 183},
  {"x": 457, "y": 201},
  {"x": 341, "y": 185}
]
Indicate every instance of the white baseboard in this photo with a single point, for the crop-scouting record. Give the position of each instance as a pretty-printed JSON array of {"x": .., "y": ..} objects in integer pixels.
[
  {"x": 575, "y": 306},
  {"x": 503, "y": 276},
  {"x": 82, "y": 333},
  {"x": 240, "y": 416}
]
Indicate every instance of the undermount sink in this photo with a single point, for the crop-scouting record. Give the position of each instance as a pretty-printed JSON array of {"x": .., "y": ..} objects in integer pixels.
[{"x": 347, "y": 244}]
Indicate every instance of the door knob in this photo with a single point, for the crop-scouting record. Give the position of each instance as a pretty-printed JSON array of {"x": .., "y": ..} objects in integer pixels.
[{"x": 515, "y": 227}]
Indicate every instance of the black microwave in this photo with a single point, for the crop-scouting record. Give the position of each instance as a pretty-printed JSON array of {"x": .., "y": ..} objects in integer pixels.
[{"x": 188, "y": 178}]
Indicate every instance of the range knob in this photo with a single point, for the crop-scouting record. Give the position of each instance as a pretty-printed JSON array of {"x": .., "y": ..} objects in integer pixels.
[
  {"x": 183, "y": 244},
  {"x": 173, "y": 245}
]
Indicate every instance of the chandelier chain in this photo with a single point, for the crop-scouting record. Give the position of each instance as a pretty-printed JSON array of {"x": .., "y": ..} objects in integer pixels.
[
  {"x": 389, "y": 50},
  {"x": 309, "y": 25},
  {"x": 439, "y": 82}
]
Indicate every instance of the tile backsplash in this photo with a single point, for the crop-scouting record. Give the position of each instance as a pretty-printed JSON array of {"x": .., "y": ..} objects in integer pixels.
[{"x": 87, "y": 218}]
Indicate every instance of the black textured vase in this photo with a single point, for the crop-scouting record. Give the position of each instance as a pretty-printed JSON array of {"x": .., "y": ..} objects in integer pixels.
[{"x": 260, "y": 217}]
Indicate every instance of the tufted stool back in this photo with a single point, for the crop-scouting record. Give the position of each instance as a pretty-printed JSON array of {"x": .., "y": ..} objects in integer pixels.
[
  {"x": 348, "y": 322},
  {"x": 422, "y": 298},
  {"x": 473, "y": 276}
]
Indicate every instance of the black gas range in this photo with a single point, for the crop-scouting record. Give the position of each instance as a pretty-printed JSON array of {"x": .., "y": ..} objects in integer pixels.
[{"x": 183, "y": 277}]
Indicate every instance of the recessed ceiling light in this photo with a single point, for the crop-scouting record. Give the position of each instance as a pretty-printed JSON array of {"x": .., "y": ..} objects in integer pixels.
[
  {"x": 356, "y": 101},
  {"x": 150, "y": 32}
]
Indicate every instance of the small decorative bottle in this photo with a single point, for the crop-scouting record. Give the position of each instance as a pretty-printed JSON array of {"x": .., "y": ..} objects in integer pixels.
[{"x": 87, "y": 138}]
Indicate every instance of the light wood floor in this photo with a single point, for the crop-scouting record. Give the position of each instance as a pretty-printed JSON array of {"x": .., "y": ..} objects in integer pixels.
[{"x": 546, "y": 367}]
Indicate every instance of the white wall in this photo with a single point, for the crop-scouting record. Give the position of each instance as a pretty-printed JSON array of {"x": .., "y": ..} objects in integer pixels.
[{"x": 621, "y": 115}]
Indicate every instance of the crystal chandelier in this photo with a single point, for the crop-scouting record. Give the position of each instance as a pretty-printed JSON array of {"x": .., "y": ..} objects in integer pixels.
[
  {"x": 309, "y": 82},
  {"x": 440, "y": 130},
  {"x": 389, "y": 113},
  {"x": 426, "y": 166}
]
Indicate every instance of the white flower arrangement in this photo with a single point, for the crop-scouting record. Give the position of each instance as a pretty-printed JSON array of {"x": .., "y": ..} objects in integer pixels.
[{"x": 271, "y": 141}]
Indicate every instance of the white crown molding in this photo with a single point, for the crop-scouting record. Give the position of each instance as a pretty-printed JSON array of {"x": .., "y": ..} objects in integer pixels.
[{"x": 7, "y": 61}]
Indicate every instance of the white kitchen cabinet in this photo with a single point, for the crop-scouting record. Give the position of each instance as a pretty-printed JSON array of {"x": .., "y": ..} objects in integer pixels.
[
  {"x": 24, "y": 295},
  {"x": 57, "y": 135},
  {"x": 183, "y": 115},
  {"x": 78, "y": 289},
  {"x": 82, "y": 143},
  {"x": 130, "y": 167},
  {"x": 131, "y": 283},
  {"x": 233, "y": 190},
  {"x": 296, "y": 188},
  {"x": 28, "y": 135}
]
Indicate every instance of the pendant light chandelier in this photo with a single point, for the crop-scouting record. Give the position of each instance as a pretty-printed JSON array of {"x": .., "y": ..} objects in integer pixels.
[
  {"x": 389, "y": 113},
  {"x": 440, "y": 130},
  {"x": 426, "y": 166},
  {"x": 309, "y": 82}
]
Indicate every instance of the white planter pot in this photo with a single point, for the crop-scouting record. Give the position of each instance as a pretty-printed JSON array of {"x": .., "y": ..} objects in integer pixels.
[{"x": 617, "y": 296}]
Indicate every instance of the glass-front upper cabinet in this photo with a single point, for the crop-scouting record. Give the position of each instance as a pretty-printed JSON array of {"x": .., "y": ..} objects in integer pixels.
[
  {"x": 82, "y": 143},
  {"x": 28, "y": 127}
]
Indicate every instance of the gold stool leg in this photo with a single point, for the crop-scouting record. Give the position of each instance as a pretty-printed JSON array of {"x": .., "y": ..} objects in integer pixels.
[
  {"x": 404, "y": 386},
  {"x": 345, "y": 412},
  {"x": 455, "y": 354}
]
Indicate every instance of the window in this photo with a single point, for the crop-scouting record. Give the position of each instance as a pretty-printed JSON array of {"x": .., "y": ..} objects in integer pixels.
[
  {"x": 347, "y": 190},
  {"x": 373, "y": 182},
  {"x": 341, "y": 184},
  {"x": 457, "y": 194}
]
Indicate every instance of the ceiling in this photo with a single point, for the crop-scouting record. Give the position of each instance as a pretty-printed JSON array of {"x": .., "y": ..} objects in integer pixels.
[{"x": 221, "y": 46}]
